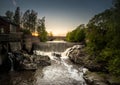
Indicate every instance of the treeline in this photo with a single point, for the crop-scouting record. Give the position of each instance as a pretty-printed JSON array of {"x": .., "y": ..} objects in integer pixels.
[
  {"x": 29, "y": 22},
  {"x": 77, "y": 35},
  {"x": 102, "y": 36}
]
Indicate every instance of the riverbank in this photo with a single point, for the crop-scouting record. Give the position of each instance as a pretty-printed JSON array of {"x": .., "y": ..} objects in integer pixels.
[
  {"x": 61, "y": 72},
  {"x": 53, "y": 65},
  {"x": 97, "y": 74}
]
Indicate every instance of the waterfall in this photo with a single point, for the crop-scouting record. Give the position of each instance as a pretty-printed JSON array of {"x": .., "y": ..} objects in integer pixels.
[
  {"x": 62, "y": 71},
  {"x": 10, "y": 56},
  {"x": 55, "y": 46}
]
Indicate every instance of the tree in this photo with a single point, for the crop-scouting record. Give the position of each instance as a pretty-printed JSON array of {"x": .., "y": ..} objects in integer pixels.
[
  {"x": 29, "y": 20},
  {"x": 32, "y": 20},
  {"x": 25, "y": 20},
  {"x": 77, "y": 35},
  {"x": 17, "y": 16},
  {"x": 9, "y": 15},
  {"x": 42, "y": 30},
  {"x": 50, "y": 34},
  {"x": 103, "y": 33}
]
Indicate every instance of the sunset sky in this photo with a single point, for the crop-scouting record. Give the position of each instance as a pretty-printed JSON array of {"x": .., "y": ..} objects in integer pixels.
[{"x": 61, "y": 15}]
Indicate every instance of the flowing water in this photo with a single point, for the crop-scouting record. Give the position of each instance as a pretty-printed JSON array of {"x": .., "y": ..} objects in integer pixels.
[
  {"x": 10, "y": 56},
  {"x": 61, "y": 72}
]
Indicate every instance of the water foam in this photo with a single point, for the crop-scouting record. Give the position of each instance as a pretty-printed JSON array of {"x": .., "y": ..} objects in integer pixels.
[{"x": 63, "y": 72}]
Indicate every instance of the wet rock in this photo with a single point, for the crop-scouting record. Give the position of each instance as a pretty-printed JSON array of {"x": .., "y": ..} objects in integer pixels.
[
  {"x": 98, "y": 78},
  {"x": 29, "y": 66},
  {"x": 15, "y": 46},
  {"x": 42, "y": 60},
  {"x": 93, "y": 78},
  {"x": 28, "y": 62},
  {"x": 56, "y": 55},
  {"x": 76, "y": 54},
  {"x": 34, "y": 61}
]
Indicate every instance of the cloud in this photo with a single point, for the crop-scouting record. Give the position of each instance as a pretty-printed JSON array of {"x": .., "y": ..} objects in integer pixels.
[{"x": 14, "y": 2}]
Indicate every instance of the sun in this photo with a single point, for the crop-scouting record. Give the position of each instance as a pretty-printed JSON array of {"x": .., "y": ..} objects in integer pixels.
[{"x": 35, "y": 34}]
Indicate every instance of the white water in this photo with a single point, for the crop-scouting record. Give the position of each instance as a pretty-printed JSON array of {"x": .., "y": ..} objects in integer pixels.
[
  {"x": 10, "y": 58},
  {"x": 61, "y": 72}
]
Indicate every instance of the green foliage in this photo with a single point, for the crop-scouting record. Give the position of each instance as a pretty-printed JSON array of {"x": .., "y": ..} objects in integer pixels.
[
  {"x": 76, "y": 35},
  {"x": 42, "y": 30},
  {"x": 103, "y": 35},
  {"x": 29, "y": 20}
]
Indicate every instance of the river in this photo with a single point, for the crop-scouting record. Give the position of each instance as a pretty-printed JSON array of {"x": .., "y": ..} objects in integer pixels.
[{"x": 61, "y": 72}]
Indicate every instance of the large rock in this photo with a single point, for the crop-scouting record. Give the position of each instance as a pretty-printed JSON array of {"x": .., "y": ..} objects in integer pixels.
[
  {"x": 32, "y": 62},
  {"x": 97, "y": 78},
  {"x": 15, "y": 46},
  {"x": 22, "y": 61},
  {"x": 93, "y": 78},
  {"x": 78, "y": 56}
]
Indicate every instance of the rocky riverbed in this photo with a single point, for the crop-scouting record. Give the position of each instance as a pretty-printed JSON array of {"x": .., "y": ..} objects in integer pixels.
[
  {"x": 51, "y": 67},
  {"x": 96, "y": 75}
]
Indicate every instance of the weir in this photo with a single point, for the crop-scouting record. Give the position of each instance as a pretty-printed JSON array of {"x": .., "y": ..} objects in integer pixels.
[
  {"x": 54, "y": 46},
  {"x": 62, "y": 71}
]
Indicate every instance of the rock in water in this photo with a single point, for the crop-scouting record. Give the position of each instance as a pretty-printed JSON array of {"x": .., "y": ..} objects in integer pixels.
[
  {"x": 34, "y": 61},
  {"x": 76, "y": 54}
]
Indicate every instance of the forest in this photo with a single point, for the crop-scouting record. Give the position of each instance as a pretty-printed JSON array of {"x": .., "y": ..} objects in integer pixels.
[{"x": 102, "y": 38}]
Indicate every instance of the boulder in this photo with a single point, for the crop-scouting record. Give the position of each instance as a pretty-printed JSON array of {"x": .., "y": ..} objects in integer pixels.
[
  {"x": 77, "y": 55},
  {"x": 56, "y": 55},
  {"x": 93, "y": 78},
  {"x": 42, "y": 60},
  {"x": 98, "y": 78},
  {"x": 32, "y": 62},
  {"x": 29, "y": 66},
  {"x": 15, "y": 46}
]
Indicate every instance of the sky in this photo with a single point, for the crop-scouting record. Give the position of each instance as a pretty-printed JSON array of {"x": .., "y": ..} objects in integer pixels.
[{"x": 61, "y": 16}]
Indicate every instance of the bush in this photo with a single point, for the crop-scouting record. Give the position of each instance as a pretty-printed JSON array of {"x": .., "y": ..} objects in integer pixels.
[{"x": 77, "y": 35}]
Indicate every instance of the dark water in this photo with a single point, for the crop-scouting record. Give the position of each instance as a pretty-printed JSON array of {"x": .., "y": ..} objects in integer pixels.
[{"x": 17, "y": 78}]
